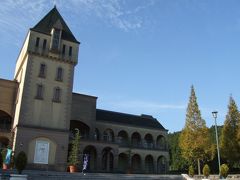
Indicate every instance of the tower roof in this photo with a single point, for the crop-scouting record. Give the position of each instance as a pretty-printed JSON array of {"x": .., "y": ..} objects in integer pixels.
[{"x": 51, "y": 20}]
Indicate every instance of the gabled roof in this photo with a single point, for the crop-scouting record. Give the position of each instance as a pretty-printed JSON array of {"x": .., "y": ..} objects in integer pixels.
[
  {"x": 52, "y": 19},
  {"x": 144, "y": 121}
]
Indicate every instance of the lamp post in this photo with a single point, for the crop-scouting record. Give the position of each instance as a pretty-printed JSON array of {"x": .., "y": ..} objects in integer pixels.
[{"x": 214, "y": 113}]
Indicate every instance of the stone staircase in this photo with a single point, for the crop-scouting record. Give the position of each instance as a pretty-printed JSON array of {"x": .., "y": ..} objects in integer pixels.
[{"x": 50, "y": 175}]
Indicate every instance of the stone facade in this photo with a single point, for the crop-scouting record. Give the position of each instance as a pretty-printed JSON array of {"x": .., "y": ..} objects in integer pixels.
[{"x": 39, "y": 113}]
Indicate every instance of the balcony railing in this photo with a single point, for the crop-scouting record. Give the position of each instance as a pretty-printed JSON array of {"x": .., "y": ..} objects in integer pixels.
[{"x": 124, "y": 143}]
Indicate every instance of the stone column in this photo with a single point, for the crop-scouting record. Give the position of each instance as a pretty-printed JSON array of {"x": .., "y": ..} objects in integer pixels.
[
  {"x": 115, "y": 162},
  {"x": 99, "y": 159},
  {"x": 155, "y": 165},
  {"x": 143, "y": 170}
]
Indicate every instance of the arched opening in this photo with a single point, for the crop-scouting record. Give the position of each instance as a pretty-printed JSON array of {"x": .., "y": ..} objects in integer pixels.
[
  {"x": 136, "y": 163},
  {"x": 148, "y": 139},
  {"x": 149, "y": 167},
  {"x": 5, "y": 122},
  {"x": 107, "y": 159},
  {"x": 123, "y": 162},
  {"x": 136, "y": 139},
  {"x": 161, "y": 143},
  {"x": 82, "y": 127},
  {"x": 92, "y": 158},
  {"x": 96, "y": 134},
  {"x": 123, "y": 138},
  {"x": 108, "y": 135},
  {"x": 161, "y": 165},
  {"x": 4, "y": 142}
]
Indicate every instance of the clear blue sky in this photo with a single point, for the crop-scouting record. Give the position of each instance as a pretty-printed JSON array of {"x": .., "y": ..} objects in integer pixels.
[{"x": 142, "y": 56}]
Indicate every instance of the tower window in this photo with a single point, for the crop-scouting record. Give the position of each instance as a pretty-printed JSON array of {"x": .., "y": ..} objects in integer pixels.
[
  {"x": 70, "y": 51},
  {"x": 56, "y": 35},
  {"x": 39, "y": 93},
  {"x": 63, "y": 49},
  {"x": 59, "y": 75},
  {"x": 42, "y": 71},
  {"x": 57, "y": 94},
  {"x": 37, "y": 42},
  {"x": 44, "y": 44}
]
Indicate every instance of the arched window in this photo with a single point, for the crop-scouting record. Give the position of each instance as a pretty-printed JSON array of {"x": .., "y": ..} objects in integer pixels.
[
  {"x": 123, "y": 138},
  {"x": 108, "y": 135}
]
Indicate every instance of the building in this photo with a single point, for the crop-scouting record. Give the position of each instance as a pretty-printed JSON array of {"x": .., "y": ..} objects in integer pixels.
[{"x": 39, "y": 112}]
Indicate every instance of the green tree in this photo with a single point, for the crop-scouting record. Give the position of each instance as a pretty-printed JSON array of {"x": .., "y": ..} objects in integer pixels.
[
  {"x": 194, "y": 139},
  {"x": 229, "y": 143},
  {"x": 177, "y": 162},
  {"x": 73, "y": 158}
]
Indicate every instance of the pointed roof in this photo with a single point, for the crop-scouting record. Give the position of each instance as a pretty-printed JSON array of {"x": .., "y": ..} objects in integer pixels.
[{"x": 54, "y": 19}]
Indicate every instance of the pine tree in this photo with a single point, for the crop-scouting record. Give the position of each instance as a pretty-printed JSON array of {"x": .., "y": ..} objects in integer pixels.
[
  {"x": 229, "y": 143},
  {"x": 194, "y": 139}
]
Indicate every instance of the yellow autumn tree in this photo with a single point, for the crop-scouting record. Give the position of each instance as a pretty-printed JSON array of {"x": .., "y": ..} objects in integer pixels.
[{"x": 194, "y": 140}]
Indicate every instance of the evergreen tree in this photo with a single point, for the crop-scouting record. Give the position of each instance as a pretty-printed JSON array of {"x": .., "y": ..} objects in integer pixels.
[
  {"x": 73, "y": 158},
  {"x": 194, "y": 139},
  {"x": 229, "y": 143}
]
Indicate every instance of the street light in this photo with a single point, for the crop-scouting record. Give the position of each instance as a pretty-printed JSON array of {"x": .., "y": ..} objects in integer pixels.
[{"x": 214, "y": 113}]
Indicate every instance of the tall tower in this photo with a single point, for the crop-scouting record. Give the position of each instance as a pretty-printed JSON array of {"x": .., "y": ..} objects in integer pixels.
[{"x": 44, "y": 71}]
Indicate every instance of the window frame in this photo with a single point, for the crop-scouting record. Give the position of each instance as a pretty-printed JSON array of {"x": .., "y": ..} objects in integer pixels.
[
  {"x": 39, "y": 92},
  {"x": 56, "y": 39},
  {"x": 42, "y": 70},
  {"x": 59, "y": 74},
  {"x": 70, "y": 51},
  {"x": 63, "y": 49},
  {"x": 37, "y": 42},
  {"x": 57, "y": 95},
  {"x": 44, "y": 44}
]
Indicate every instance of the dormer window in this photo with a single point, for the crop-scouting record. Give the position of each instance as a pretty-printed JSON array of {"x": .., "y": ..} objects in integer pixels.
[{"x": 56, "y": 36}]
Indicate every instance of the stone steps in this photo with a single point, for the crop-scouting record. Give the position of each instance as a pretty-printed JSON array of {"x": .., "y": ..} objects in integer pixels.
[
  {"x": 100, "y": 176},
  {"x": 50, "y": 175}
]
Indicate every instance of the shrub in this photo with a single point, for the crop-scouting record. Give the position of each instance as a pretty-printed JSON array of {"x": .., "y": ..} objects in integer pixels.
[
  {"x": 21, "y": 162},
  {"x": 206, "y": 170},
  {"x": 191, "y": 171},
  {"x": 224, "y": 170}
]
